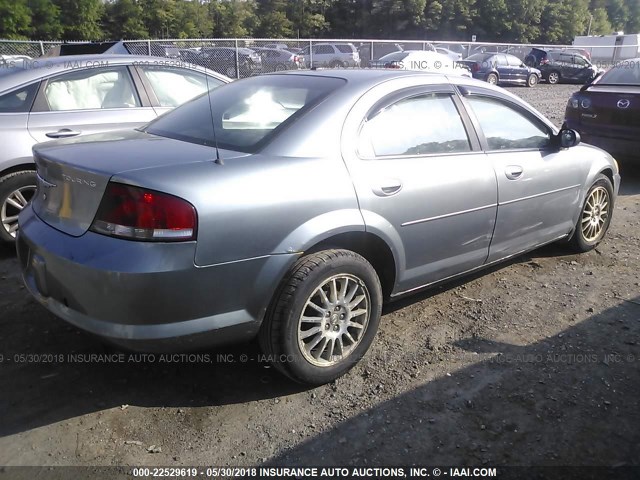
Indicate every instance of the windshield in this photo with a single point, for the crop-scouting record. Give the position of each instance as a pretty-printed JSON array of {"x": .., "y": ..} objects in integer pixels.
[
  {"x": 626, "y": 73},
  {"x": 247, "y": 113}
]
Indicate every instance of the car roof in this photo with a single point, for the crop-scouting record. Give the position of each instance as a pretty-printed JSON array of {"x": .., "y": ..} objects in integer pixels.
[{"x": 26, "y": 72}]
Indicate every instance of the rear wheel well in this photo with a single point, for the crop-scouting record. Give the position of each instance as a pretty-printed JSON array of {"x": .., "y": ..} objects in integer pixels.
[
  {"x": 18, "y": 168},
  {"x": 372, "y": 248}
]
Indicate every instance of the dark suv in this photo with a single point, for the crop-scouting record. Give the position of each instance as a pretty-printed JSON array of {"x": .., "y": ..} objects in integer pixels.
[{"x": 561, "y": 65}]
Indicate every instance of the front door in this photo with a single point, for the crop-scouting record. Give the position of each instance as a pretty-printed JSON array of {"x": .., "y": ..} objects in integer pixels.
[
  {"x": 89, "y": 100},
  {"x": 538, "y": 185}
]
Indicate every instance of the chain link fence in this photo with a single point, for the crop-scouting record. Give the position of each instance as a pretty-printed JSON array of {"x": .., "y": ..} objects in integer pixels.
[{"x": 239, "y": 58}]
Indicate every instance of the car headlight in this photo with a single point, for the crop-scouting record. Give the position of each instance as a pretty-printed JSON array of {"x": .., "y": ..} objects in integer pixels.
[
  {"x": 585, "y": 103},
  {"x": 574, "y": 103}
]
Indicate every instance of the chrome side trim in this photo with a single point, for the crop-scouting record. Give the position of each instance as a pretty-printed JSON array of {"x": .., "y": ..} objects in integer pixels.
[
  {"x": 480, "y": 267},
  {"x": 539, "y": 194},
  {"x": 438, "y": 217}
]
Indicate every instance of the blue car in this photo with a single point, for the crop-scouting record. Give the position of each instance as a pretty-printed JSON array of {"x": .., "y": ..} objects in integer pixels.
[{"x": 501, "y": 68}]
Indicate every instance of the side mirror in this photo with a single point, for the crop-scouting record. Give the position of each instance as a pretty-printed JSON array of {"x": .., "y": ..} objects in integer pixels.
[{"x": 568, "y": 138}]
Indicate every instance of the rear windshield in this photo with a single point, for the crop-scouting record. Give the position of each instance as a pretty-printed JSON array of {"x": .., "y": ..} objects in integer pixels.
[
  {"x": 246, "y": 113},
  {"x": 625, "y": 73},
  {"x": 394, "y": 57},
  {"x": 479, "y": 57}
]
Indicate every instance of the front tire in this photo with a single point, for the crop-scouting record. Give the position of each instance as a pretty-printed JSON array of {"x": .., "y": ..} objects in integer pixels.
[
  {"x": 595, "y": 216},
  {"x": 16, "y": 190},
  {"x": 532, "y": 80},
  {"x": 324, "y": 317}
]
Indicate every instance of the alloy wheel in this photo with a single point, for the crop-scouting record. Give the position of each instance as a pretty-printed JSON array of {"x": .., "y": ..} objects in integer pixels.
[
  {"x": 334, "y": 320},
  {"x": 595, "y": 214},
  {"x": 13, "y": 205}
]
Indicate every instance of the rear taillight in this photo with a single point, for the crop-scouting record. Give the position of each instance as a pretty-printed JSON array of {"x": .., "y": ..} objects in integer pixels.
[
  {"x": 141, "y": 214},
  {"x": 475, "y": 67},
  {"x": 544, "y": 61}
]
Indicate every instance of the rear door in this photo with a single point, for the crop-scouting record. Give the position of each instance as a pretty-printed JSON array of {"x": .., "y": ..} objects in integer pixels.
[
  {"x": 422, "y": 181},
  {"x": 504, "y": 71},
  {"x": 538, "y": 185},
  {"x": 88, "y": 100},
  {"x": 169, "y": 87}
]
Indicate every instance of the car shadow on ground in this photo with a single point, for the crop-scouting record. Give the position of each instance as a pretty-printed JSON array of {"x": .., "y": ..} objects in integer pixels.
[
  {"x": 630, "y": 173},
  {"x": 572, "y": 399},
  {"x": 51, "y": 371}
]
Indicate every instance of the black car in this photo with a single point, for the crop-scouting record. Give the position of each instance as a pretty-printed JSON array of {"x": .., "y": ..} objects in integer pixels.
[
  {"x": 561, "y": 65},
  {"x": 223, "y": 60},
  {"x": 606, "y": 112},
  {"x": 500, "y": 68}
]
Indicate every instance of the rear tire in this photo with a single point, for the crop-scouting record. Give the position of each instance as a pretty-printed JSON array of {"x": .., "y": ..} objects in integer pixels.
[
  {"x": 553, "y": 77},
  {"x": 595, "y": 216},
  {"x": 16, "y": 190},
  {"x": 492, "y": 79},
  {"x": 324, "y": 317}
]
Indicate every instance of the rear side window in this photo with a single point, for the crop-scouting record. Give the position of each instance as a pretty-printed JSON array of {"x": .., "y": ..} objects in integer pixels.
[
  {"x": 19, "y": 100},
  {"x": 420, "y": 125},
  {"x": 346, "y": 48},
  {"x": 506, "y": 128},
  {"x": 513, "y": 61},
  {"x": 246, "y": 114},
  {"x": 175, "y": 86}
]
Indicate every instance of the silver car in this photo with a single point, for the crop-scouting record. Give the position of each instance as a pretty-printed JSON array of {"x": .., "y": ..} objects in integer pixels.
[
  {"x": 59, "y": 97},
  {"x": 291, "y": 206}
]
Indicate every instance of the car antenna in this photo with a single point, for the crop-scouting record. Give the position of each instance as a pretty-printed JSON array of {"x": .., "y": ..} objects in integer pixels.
[{"x": 218, "y": 160}]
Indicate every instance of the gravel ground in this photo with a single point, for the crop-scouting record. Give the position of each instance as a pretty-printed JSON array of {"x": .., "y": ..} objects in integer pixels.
[{"x": 534, "y": 362}]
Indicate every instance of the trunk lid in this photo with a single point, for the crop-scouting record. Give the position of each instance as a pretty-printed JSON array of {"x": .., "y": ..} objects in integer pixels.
[{"x": 73, "y": 174}]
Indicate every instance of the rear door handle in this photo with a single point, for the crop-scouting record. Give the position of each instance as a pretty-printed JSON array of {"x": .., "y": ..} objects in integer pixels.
[
  {"x": 513, "y": 172},
  {"x": 388, "y": 187},
  {"x": 63, "y": 133}
]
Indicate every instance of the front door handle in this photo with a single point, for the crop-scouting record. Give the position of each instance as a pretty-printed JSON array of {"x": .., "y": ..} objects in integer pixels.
[
  {"x": 513, "y": 172},
  {"x": 388, "y": 187},
  {"x": 63, "y": 133}
]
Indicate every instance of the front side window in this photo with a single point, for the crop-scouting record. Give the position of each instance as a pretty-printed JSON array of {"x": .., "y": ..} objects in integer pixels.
[
  {"x": 420, "y": 125},
  {"x": 93, "y": 88},
  {"x": 175, "y": 86},
  {"x": 506, "y": 128},
  {"x": 19, "y": 100}
]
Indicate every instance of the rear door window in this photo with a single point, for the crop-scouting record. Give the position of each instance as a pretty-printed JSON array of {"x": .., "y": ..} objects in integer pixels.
[
  {"x": 421, "y": 125},
  {"x": 175, "y": 86}
]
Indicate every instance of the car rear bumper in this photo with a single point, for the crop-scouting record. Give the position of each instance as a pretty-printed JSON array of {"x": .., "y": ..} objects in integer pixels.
[{"x": 145, "y": 296}]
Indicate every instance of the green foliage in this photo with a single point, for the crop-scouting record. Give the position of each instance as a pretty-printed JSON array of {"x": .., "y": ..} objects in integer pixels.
[
  {"x": 15, "y": 19},
  {"x": 123, "y": 20},
  {"x": 539, "y": 21},
  {"x": 45, "y": 20},
  {"x": 81, "y": 19}
]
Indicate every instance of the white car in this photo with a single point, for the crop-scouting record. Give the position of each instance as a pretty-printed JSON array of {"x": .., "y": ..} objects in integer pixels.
[{"x": 422, "y": 61}]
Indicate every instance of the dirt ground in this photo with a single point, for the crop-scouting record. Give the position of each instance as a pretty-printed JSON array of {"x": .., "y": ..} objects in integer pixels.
[{"x": 535, "y": 362}]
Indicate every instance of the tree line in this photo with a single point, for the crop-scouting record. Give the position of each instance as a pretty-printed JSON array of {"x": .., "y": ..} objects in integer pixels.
[{"x": 539, "y": 21}]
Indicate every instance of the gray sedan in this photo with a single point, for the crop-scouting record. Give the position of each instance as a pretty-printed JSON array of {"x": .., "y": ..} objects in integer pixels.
[
  {"x": 59, "y": 97},
  {"x": 291, "y": 206}
]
